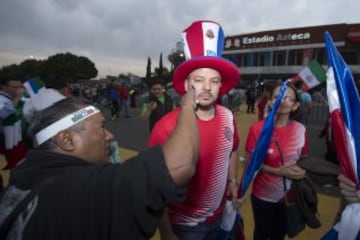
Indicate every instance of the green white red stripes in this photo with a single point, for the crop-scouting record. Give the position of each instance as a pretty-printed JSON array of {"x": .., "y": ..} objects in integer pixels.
[{"x": 312, "y": 75}]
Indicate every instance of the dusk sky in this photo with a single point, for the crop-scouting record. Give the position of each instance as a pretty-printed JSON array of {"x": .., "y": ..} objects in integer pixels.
[{"x": 119, "y": 35}]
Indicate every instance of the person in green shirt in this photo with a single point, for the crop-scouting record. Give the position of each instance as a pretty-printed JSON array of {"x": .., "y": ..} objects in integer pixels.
[{"x": 157, "y": 105}]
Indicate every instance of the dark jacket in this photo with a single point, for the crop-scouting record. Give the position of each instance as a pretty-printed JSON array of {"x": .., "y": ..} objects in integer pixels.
[
  {"x": 160, "y": 110},
  {"x": 307, "y": 200},
  {"x": 88, "y": 201}
]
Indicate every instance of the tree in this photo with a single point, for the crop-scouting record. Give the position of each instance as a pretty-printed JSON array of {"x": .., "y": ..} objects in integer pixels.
[
  {"x": 148, "y": 68},
  {"x": 86, "y": 68},
  {"x": 176, "y": 57},
  {"x": 10, "y": 71},
  {"x": 161, "y": 67},
  {"x": 70, "y": 67},
  {"x": 123, "y": 75},
  {"x": 30, "y": 68},
  {"x": 163, "y": 74},
  {"x": 148, "y": 72},
  {"x": 59, "y": 66}
]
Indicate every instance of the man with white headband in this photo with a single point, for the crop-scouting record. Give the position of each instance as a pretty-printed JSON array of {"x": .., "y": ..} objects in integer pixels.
[{"x": 67, "y": 189}]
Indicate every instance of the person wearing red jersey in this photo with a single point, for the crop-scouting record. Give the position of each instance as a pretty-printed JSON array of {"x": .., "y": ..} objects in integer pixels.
[
  {"x": 287, "y": 145},
  {"x": 124, "y": 96},
  {"x": 199, "y": 215}
]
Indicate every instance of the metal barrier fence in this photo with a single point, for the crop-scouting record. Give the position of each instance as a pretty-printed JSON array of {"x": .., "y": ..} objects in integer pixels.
[{"x": 319, "y": 114}]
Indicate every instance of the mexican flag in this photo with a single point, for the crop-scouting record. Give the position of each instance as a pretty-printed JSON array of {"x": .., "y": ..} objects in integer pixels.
[
  {"x": 15, "y": 148},
  {"x": 312, "y": 75},
  {"x": 33, "y": 86}
]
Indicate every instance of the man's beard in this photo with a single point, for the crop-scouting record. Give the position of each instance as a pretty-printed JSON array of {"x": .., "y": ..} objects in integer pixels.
[{"x": 207, "y": 106}]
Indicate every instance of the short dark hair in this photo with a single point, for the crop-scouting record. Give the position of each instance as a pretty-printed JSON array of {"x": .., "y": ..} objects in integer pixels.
[
  {"x": 158, "y": 81},
  {"x": 4, "y": 80},
  {"x": 55, "y": 81},
  {"x": 53, "y": 113}
]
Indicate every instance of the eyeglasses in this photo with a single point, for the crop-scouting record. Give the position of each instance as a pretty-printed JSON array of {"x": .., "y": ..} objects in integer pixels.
[{"x": 285, "y": 99}]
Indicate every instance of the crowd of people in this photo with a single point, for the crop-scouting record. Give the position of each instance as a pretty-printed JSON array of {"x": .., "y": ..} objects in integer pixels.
[{"x": 63, "y": 185}]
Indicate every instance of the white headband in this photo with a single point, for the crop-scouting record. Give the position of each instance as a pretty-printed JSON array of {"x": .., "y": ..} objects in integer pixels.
[{"x": 65, "y": 123}]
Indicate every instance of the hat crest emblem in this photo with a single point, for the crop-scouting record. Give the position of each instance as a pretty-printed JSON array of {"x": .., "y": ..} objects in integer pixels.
[{"x": 210, "y": 34}]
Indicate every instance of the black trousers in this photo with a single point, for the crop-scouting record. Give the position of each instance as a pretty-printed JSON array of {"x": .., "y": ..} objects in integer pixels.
[
  {"x": 269, "y": 219},
  {"x": 114, "y": 108}
]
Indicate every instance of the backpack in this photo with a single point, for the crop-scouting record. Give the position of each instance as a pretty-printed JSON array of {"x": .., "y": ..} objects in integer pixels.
[{"x": 7, "y": 218}]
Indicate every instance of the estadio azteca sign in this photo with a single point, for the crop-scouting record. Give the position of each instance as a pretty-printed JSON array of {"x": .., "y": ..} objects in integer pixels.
[
  {"x": 267, "y": 38},
  {"x": 295, "y": 36},
  {"x": 278, "y": 37}
]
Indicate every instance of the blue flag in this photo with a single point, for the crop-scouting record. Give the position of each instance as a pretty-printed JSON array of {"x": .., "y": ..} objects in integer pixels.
[
  {"x": 230, "y": 216},
  {"x": 262, "y": 144}
]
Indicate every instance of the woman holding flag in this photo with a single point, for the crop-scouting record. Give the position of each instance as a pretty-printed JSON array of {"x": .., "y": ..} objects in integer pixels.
[{"x": 273, "y": 180}]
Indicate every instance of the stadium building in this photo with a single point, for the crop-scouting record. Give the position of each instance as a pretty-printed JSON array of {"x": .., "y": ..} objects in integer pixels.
[{"x": 281, "y": 54}]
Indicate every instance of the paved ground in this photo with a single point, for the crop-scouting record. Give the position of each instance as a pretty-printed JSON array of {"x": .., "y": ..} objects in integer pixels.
[{"x": 130, "y": 133}]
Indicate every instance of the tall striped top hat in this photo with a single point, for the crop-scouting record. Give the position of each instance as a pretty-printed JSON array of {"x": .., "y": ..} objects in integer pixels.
[{"x": 203, "y": 44}]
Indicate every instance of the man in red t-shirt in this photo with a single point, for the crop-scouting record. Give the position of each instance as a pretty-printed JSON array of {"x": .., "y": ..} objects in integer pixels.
[{"x": 199, "y": 215}]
